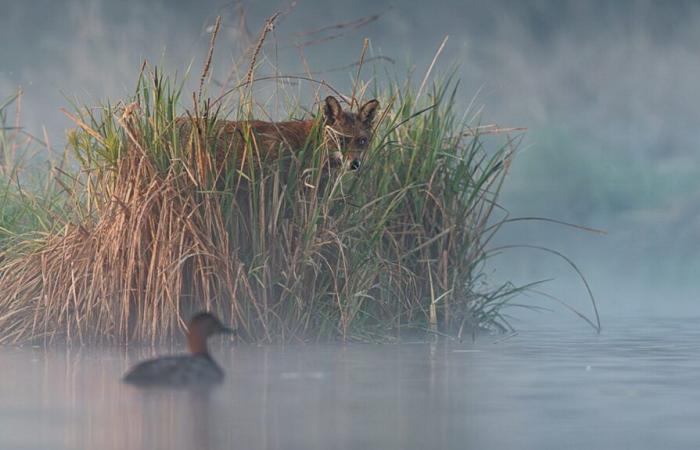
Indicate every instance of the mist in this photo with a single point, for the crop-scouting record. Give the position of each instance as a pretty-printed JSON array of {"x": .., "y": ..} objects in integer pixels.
[
  {"x": 604, "y": 192},
  {"x": 605, "y": 89}
]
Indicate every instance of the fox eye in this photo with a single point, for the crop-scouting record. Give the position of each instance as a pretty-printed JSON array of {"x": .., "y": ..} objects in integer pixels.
[{"x": 362, "y": 141}]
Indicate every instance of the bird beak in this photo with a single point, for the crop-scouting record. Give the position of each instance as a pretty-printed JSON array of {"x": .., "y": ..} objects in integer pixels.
[{"x": 226, "y": 330}]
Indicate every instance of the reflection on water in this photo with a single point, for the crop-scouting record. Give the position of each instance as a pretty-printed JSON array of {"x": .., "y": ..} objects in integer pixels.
[{"x": 636, "y": 386}]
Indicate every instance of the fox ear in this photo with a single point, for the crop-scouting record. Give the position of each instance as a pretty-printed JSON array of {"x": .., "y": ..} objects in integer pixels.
[
  {"x": 332, "y": 110},
  {"x": 369, "y": 111}
]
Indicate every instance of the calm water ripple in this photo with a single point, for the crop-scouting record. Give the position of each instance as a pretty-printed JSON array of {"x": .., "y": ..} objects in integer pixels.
[{"x": 636, "y": 386}]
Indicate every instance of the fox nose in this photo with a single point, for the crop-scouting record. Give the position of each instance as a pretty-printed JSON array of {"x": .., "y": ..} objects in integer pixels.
[{"x": 355, "y": 164}]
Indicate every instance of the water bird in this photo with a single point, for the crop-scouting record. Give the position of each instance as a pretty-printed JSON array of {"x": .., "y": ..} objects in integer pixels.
[{"x": 197, "y": 368}]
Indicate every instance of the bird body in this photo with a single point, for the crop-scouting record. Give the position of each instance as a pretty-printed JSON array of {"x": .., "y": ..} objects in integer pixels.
[{"x": 197, "y": 368}]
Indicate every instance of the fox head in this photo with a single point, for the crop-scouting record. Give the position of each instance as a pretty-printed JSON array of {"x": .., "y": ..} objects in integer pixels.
[{"x": 348, "y": 134}]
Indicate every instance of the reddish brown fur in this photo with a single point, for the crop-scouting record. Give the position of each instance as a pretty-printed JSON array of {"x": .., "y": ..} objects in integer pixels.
[{"x": 347, "y": 134}]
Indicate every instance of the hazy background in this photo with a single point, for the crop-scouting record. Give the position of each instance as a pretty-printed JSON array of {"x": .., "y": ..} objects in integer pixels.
[{"x": 608, "y": 91}]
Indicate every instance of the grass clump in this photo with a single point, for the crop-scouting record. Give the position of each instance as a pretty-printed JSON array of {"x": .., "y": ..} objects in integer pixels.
[{"x": 160, "y": 214}]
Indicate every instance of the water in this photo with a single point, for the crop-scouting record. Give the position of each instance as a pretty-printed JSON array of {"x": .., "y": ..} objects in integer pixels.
[{"x": 636, "y": 386}]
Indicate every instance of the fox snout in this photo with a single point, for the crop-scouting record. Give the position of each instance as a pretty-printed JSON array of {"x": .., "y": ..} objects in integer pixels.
[
  {"x": 337, "y": 160},
  {"x": 353, "y": 159}
]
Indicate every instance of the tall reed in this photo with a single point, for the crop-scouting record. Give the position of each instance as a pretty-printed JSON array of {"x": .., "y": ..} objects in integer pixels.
[{"x": 153, "y": 223}]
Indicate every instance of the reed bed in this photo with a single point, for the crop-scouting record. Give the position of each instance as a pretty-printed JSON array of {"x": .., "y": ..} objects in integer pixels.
[{"x": 150, "y": 223}]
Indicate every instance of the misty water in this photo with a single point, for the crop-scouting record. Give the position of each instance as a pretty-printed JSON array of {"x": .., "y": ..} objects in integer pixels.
[
  {"x": 635, "y": 386},
  {"x": 606, "y": 90}
]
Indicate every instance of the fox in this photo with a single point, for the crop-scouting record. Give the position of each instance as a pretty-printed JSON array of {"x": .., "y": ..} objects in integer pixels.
[{"x": 346, "y": 135}]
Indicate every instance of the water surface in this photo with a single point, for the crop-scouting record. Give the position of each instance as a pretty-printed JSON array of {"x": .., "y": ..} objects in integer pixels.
[{"x": 636, "y": 386}]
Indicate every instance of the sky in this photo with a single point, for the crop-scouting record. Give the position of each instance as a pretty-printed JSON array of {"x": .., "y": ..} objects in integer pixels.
[{"x": 607, "y": 91}]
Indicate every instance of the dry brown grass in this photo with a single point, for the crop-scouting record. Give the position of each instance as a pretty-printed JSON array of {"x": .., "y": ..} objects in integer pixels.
[
  {"x": 150, "y": 229},
  {"x": 122, "y": 272}
]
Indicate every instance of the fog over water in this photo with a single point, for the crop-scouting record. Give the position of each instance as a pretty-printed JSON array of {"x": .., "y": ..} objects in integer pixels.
[
  {"x": 633, "y": 387},
  {"x": 609, "y": 94},
  {"x": 607, "y": 90}
]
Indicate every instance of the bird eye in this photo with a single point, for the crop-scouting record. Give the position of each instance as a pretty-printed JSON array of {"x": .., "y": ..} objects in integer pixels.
[{"x": 362, "y": 141}]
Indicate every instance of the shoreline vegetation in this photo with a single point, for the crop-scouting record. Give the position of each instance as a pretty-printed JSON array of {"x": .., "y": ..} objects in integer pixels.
[{"x": 136, "y": 226}]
